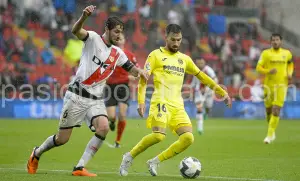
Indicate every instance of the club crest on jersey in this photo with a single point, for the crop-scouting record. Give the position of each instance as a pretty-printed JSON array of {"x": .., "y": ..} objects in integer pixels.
[
  {"x": 147, "y": 66},
  {"x": 111, "y": 59}
]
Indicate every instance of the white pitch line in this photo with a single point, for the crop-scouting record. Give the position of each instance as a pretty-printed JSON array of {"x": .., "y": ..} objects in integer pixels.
[{"x": 145, "y": 174}]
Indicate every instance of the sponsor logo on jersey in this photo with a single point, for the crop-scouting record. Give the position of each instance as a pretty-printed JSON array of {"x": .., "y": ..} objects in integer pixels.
[
  {"x": 164, "y": 59},
  {"x": 278, "y": 61},
  {"x": 173, "y": 68}
]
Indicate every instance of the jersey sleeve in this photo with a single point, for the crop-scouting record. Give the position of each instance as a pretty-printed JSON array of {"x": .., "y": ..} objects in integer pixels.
[
  {"x": 124, "y": 62},
  {"x": 90, "y": 36},
  {"x": 191, "y": 68},
  {"x": 122, "y": 59},
  {"x": 290, "y": 57},
  {"x": 150, "y": 63},
  {"x": 142, "y": 86},
  {"x": 263, "y": 58}
]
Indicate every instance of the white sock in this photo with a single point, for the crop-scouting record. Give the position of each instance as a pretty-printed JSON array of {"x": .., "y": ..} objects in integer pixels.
[
  {"x": 90, "y": 150},
  {"x": 200, "y": 121},
  {"x": 48, "y": 144}
]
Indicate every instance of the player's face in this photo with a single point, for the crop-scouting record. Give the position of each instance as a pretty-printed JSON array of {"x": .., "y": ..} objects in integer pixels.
[
  {"x": 200, "y": 63},
  {"x": 173, "y": 41},
  {"x": 115, "y": 34},
  {"x": 121, "y": 41},
  {"x": 276, "y": 42}
]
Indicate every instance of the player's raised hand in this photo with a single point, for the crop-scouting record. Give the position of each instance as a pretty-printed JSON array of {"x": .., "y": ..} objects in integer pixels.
[
  {"x": 141, "y": 110},
  {"x": 228, "y": 101},
  {"x": 89, "y": 10},
  {"x": 273, "y": 71}
]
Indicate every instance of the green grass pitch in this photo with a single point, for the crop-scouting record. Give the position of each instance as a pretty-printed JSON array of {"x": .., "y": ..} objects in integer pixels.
[{"x": 228, "y": 150}]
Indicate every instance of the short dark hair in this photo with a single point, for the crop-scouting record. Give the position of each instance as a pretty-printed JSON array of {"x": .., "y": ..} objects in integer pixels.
[
  {"x": 276, "y": 35},
  {"x": 114, "y": 21},
  {"x": 173, "y": 28}
]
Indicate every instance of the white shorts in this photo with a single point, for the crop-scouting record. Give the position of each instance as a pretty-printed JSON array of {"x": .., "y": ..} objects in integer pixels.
[
  {"x": 206, "y": 99},
  {"x": 77, "y": 109}
]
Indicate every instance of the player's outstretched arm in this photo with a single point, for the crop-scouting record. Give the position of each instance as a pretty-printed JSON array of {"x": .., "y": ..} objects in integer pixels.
[
  {"x": 142, "y": 86},
  {"x": 77, "y": 29}
]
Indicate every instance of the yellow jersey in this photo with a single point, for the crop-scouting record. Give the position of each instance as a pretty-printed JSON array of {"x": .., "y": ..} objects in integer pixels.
[
  {"x": 278, "y": 59},
  {"x": 168, "y": 71}
]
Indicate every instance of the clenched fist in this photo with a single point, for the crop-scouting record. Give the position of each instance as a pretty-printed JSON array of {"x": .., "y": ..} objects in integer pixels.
[{"x": 88, "y": 10}]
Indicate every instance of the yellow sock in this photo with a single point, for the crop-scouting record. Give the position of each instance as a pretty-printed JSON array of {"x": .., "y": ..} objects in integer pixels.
[
  {"x": 272, "y": 125},
  {"x": 268, "y": 116},
  {"x": 184, "y": 141},
  {"x": 146, "y": 142}
]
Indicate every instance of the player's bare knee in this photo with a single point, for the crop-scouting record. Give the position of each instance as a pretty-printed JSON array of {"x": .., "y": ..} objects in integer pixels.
[
  {"x": 101, "y": 125},
  {"x": 269, "y": 110},
  {"x": 199, "y": 109},
  {"x": 122, "y": 117},
  {"x": 112, "y": 119},
  {"x": 276, "y": 111}
]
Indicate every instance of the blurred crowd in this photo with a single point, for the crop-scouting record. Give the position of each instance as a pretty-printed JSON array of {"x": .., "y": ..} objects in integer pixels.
[{"x": 50, "y": 21}]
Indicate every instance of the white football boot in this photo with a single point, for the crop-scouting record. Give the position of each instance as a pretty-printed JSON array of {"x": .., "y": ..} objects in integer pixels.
[
  {"x": 268, "y": 140},
  {"x": 152, "y": 167},
  {"x": 126, "y": 163}
]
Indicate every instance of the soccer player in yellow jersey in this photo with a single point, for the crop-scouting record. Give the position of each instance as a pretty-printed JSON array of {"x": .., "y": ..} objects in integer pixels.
[
  {"x": 168, "y": 67},
  {"x": 277, "y": 66}
]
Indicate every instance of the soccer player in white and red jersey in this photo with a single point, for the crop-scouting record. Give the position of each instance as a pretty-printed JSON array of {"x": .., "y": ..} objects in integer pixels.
[
  {"x": 204, "y": 97},
  {"x": 117, "y": 93},
  {"x": 84, "y": 99}
]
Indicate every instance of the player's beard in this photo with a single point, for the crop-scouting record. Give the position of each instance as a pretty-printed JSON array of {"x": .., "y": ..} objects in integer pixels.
[
  {"x": 111, "y": 40},
  {"x": 173, "y": 49},
  {"x": 276, "y": 46}
]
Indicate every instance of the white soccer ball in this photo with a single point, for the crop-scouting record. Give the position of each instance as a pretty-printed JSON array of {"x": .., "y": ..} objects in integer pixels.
[{"x": 190, "y": 167}]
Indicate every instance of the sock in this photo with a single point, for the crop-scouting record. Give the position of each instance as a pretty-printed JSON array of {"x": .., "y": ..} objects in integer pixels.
[
  {"x": 48, "y": 144},
  {"x": 268, "y": 116},
  {"x": 90, "y": 150},
  {"x": 146, "y": 142},
  {"x": 273, "y": 125},
  {"x": 121, "y": 128},
  {"x": 184, "y": 141},
  {"x": 200, "y": 121}
]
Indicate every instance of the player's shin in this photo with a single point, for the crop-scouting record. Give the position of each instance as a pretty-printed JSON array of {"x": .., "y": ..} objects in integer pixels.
[
  {"x": 47, "y": 145},
  {"x": 184, "y": 141},
  {"x": 121, "y": 128},
  {"x": 90, "y": 150},
  {"x": 273, "y": 125},
  {"x": 146, "y": 142},
  {"x": 200, "y": 121}
]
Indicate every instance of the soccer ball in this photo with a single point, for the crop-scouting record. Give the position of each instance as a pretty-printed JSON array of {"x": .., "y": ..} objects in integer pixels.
[{"x": 190, "y": 167}]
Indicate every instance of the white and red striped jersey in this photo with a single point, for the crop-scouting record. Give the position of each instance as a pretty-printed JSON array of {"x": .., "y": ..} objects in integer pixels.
[
  {"x": 196, "y": 84},
  {"x": 98, "y": 61}
]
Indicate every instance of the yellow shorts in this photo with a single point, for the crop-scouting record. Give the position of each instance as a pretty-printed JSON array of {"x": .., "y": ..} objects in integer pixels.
[
  {"x": 275, "y": 95},
  {"x": 163, "y": 115}
]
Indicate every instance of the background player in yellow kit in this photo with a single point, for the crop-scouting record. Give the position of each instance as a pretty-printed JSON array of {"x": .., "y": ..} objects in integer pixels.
[
  {"x": 168, "y": 67},
  {"x": 277, "y": 66}
]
